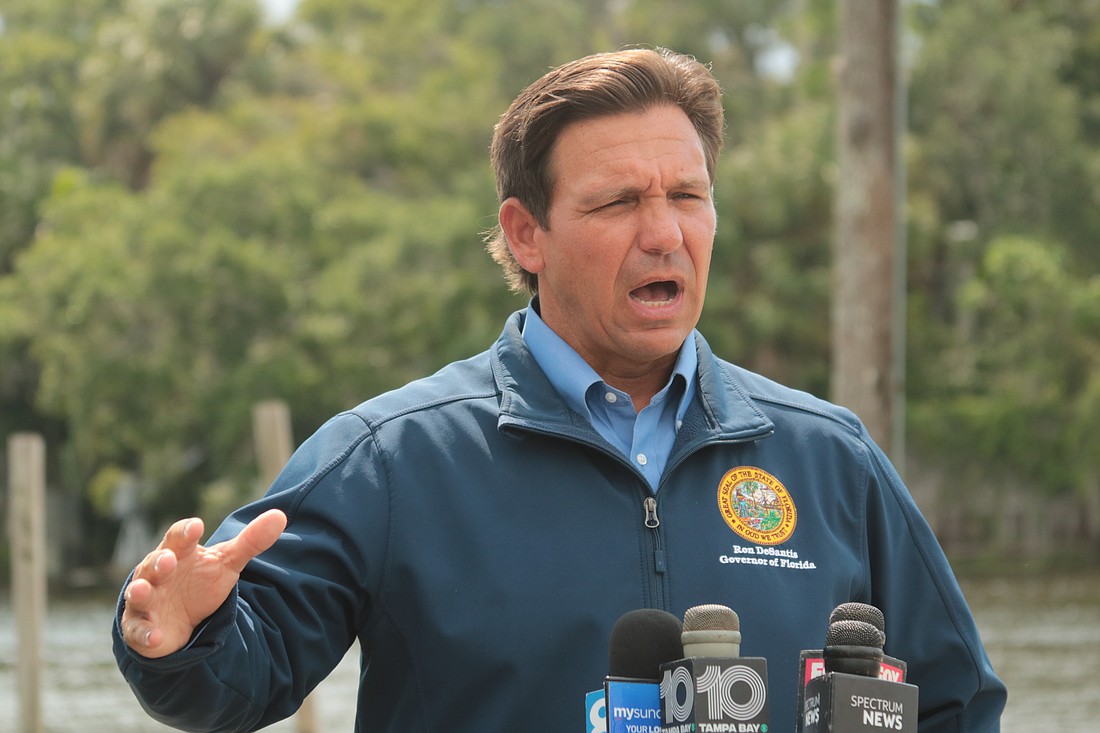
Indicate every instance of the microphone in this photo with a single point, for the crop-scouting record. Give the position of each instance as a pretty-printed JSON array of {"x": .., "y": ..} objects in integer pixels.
[
  {"x": 811, "y": 662},
  {"x": 853, "y": 695},
  {"x": 711, "y": 631},
  {"x": 853, "y": 647},
  {"x": 859, "y": 612},
  {"x": 641, "y": 641},
  {"x": 714, "y": 688}
]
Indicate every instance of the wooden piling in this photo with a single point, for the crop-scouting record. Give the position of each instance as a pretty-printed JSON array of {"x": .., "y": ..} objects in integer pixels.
[
  {"x": 274, "y": 444},
  {"x": 27, "y": 487}
]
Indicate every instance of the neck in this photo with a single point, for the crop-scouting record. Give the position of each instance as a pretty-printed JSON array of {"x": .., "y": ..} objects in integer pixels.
[{"x": 641, "y": 384}]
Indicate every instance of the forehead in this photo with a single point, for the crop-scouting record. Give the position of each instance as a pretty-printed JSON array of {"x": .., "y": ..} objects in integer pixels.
[{"x": 658, "y": 139}]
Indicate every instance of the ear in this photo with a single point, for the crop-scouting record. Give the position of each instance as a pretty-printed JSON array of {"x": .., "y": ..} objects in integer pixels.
[{"x": 524, "y": 235}]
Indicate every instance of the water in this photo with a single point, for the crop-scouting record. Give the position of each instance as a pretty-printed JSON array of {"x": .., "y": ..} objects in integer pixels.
[
  {"x": 1043, "y": 635},
  {"x": 85, "y": 693}
]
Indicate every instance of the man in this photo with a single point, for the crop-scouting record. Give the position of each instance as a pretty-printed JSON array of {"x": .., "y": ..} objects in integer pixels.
[{"x": 479, "y": 531}]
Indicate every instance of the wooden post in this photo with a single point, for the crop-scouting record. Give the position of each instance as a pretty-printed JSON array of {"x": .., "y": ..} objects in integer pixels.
[
  {"x": 274, "y": 444},
  {"x": 864, "y": 275},
  {"x": 272, "y": 435},
  {"x": 27, "y": 485}
]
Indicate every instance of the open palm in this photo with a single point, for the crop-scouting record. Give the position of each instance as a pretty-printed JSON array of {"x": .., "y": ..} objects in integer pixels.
[{"x": 181, "y": 583}]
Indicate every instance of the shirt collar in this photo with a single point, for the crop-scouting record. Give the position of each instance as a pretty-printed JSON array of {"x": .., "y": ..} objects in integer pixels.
[{"x": 572, "y": 376}]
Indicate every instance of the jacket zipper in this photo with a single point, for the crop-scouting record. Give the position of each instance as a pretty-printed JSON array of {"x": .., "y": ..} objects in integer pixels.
[
  {"x": 649, "y": 504},
  {"x": 653, "y": 520},
  {"x": 660, "y": 565}
]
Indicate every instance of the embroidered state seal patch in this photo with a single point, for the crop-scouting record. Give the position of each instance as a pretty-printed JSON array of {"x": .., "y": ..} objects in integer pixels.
[{"x": 756, "y": 505}]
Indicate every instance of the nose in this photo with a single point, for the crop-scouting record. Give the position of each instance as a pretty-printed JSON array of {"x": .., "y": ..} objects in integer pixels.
[{"x": 659, "y": 229}]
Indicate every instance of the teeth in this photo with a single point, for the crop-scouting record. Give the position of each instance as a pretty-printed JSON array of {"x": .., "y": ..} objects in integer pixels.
[
  {"x": 666, "y": 301},
  {"x": 656, "y": 293}
]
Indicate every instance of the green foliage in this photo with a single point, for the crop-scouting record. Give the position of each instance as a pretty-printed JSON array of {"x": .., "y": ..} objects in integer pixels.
[
  {"x": 248, "y": 268},
  {"x": 996, "y": 133},
  {"x": 36, "y": 128},
  {"x": 1003, "y": 224},
  {"x": 198, "y": 211},
  {"x": 176, "y": 52},
  {"x": 767, "y": 300},
  {"x": 1018, "y": 387}
]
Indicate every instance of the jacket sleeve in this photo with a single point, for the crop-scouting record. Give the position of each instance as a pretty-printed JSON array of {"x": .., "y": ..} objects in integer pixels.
[
  {"x": 296, "y": 608},
  {"x": 929, "y": 624}
]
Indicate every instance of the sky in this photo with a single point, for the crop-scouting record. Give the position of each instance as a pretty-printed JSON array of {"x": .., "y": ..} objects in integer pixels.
[{"x": 278, "y": 11}]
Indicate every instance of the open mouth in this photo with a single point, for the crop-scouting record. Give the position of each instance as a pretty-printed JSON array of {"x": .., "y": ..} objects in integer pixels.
[{"x": 661, "y": 292}]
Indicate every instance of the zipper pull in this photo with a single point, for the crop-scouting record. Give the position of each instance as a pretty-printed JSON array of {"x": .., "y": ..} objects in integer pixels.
[{"x": 652, "y": 522}]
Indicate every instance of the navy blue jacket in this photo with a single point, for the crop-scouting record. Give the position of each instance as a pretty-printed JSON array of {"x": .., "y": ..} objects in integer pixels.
[{"x": 480, "y": 539}]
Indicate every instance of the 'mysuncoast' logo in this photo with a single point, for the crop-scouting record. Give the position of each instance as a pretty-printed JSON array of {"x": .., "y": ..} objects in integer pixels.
[{"x": 636, "y": 714}]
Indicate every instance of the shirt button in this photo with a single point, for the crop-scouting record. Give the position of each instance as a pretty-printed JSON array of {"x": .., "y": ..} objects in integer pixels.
[
  {"x": 642, "y": 460},
  {"x": 611, "y": 397}
]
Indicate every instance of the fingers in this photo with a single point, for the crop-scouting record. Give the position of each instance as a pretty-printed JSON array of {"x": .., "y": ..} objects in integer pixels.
[
  {"x": 181, "y": 582},
  {"x": 137, "y": 629},
  {"x": 157, "y": 569},
  {"x": 257, "y": 536},
  {"x": 183, "y": 536},
  {"x": 180, "y": 540}
]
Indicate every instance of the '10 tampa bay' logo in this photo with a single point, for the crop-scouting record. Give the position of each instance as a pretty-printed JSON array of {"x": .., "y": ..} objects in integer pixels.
[{"x": 756, "y": 505}]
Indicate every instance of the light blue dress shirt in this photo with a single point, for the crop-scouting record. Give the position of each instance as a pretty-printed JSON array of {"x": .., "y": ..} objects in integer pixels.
[{"x": 645, "y": 438}]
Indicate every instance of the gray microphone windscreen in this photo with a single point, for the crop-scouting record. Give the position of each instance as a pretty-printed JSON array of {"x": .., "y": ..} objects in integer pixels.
[{"x": 711, "y": 617}]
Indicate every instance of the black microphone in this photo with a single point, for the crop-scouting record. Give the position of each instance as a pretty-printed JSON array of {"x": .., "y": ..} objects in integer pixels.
[
  {"x": 811, "y": 662},
  {"x": 859, "y": 612},
  {"x": 641, "y": 641},
  {"x": 853, "y": 695},
  {"x": 853, "y": 647},
  {"x": 714, "y": 688}
]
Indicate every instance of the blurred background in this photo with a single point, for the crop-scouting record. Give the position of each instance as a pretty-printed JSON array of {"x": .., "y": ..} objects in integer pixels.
[{"x": 205, "y": 204}]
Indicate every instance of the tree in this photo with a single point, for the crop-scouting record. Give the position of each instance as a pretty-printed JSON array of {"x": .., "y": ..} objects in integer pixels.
[
  {"x": 865, "y": 241},
  {"x": 996, "y": 152},
  {"x": 996, "y": 141},
  {"x": 768, "y": 292},
  {"x": 252, "y": 211},
  {"x": 158, "y": 57},
  {"x": 1018, "y": 388}
]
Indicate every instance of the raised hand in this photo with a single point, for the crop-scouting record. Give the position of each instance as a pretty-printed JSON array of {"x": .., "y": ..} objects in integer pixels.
[{"x": 179, "y": 584}]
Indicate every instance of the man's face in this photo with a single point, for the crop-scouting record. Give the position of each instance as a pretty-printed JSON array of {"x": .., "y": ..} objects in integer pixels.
[{"x": 622, "y": 268}]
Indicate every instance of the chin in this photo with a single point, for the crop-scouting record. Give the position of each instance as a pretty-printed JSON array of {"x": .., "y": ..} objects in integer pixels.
[{"x": 652, "y": 349}]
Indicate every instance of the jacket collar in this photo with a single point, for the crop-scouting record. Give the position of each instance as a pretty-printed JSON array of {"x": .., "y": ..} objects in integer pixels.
[{"x": 722, "y": 408}]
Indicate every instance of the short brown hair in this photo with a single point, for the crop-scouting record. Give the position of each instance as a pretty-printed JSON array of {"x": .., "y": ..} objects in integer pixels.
[{"x": 603, "y": 84}]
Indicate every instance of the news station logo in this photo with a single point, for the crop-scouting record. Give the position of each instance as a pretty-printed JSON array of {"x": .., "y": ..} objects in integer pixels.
[
  {"x": 757, "y": 506},
  {"x": 595, "y": 712},
  {"x": 845, "y": 702},
  {"x": 701, "y": 695}
]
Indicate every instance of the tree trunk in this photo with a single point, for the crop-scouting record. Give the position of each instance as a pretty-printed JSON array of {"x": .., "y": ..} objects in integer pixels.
[{"x": 865, "y": 233}]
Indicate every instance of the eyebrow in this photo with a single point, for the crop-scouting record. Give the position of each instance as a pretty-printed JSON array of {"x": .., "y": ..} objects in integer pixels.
[
  {"x": 615, "y": 192},
  {"x": 608, "y": 194}
]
